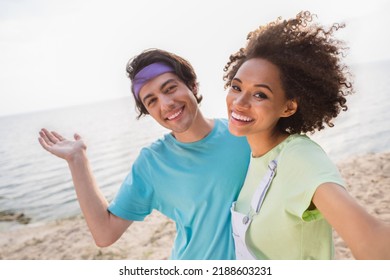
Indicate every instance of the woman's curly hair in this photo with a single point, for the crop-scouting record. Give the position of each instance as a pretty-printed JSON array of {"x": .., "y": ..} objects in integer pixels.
[
  {"x": 183, "y": 69},
  {"x": 309, "y": 61}
]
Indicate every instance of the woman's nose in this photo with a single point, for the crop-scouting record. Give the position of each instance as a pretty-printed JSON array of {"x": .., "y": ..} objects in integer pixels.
[{"x": 242, "y": 100}]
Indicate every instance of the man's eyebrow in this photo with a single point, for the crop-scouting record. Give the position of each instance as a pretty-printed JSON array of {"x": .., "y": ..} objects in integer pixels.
[
  {"x": 256, "y": 85},
  {"x": 167, "y": 82},
  {"x": 146, "y": 97}
]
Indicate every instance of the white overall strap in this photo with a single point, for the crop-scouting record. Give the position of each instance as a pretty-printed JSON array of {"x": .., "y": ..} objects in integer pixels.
[
  {"x": 240, "y": 225},
  {"x": 261, "y": 191},
  {"x": 241, "y": 222}
]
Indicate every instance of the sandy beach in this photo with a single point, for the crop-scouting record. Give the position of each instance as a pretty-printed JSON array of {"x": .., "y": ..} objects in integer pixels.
[{"x": 367, "y": 178}]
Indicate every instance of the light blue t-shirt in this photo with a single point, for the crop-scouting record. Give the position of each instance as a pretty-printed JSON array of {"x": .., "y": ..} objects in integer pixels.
[{"x": 194, "y": 184}]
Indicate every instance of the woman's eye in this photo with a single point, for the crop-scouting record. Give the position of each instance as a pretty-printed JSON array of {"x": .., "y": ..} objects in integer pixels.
[
  {"x": 235, "y": 88},
  {"x": 261, "y": 95}
]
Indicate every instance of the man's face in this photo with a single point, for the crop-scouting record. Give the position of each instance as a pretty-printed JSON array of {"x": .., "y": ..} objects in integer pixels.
[{"x": 170, "y": 102}]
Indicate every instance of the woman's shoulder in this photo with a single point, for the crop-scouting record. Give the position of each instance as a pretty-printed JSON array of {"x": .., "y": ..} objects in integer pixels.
[
  {"x": 300, "y": 149},
  {"x": 302, "y": 143}
]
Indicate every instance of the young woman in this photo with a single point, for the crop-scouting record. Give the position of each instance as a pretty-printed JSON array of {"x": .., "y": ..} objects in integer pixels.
[{"x": 287, "y": 81}]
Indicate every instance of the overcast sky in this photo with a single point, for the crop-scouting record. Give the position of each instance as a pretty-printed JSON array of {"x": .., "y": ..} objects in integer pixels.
[{"x": 60, "y": 53}]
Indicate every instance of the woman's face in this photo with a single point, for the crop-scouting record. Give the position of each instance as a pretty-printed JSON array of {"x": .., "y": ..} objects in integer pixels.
[{"x": 256, "y": 99}]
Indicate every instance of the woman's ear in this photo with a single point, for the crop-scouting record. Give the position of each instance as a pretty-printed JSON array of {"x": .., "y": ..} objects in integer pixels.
[{"x": 291, "y": 108}]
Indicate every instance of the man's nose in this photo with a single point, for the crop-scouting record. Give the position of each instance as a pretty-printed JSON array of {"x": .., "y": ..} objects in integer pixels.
[{"x": 166, "y": 101}]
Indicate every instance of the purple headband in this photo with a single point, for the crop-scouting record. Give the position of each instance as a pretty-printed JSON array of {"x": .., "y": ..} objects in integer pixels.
[{"x": 147, "y": 73}]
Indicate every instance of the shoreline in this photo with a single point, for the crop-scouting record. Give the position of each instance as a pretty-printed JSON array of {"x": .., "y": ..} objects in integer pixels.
[{"x": 367, "y": 179}]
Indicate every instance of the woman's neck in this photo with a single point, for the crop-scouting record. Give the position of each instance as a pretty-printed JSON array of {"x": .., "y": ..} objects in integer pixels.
[{"x": 262, "y": 143}]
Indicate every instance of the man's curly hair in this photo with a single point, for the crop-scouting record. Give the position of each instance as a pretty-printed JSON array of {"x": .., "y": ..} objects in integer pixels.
[{"x": 311, "y": 72}]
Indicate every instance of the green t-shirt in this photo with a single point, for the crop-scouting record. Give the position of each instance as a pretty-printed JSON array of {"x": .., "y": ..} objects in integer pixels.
[{"x": 284, "y": 228}]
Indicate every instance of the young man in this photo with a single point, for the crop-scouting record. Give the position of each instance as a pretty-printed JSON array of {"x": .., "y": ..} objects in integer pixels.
[{"x": 191, "y": 175}]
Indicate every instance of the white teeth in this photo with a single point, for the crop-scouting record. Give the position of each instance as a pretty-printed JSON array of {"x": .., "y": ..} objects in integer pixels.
[
  {"x": 241, "y": 118},
  {"x": 174, "y": 115}
]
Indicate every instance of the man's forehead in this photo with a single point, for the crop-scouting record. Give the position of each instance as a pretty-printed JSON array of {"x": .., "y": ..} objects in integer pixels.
[{"x": 148, "y": 73}]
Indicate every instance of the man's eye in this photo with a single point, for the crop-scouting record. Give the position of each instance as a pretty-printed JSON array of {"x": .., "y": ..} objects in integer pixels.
[
  {"x": 170, "y": 89},
  {"x": 151, "y": 101}
]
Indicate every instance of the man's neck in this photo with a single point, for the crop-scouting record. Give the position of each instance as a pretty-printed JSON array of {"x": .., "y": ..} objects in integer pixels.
[{"x": 199, "y": 129}]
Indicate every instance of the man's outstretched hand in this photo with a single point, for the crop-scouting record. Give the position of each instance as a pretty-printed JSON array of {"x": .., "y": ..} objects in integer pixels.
[{"x": 60, "y": 146}]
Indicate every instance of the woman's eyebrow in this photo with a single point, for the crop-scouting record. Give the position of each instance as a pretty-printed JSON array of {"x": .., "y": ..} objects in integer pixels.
[
  {"x": 256, "y": 85},
  {"x": 265, "y": 86}
]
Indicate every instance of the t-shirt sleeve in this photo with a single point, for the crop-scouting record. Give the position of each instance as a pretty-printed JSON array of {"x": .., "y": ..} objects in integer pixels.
[
  {"x": 134, "y": 199},
  {"x": 307, "y": 166}
]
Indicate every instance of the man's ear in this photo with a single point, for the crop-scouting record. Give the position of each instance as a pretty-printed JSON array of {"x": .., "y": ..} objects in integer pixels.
[
  {"x": 291, "y": 108},
  {"x": 194, "y": 88}
]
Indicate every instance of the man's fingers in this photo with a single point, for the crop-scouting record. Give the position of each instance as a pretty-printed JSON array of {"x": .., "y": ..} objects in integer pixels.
[
  {"x": 58, "y": 136},
  {"x": 51, "y": 137},
  {"x": 45, "y": 138},
  {"x": 44, "y": 144}
]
